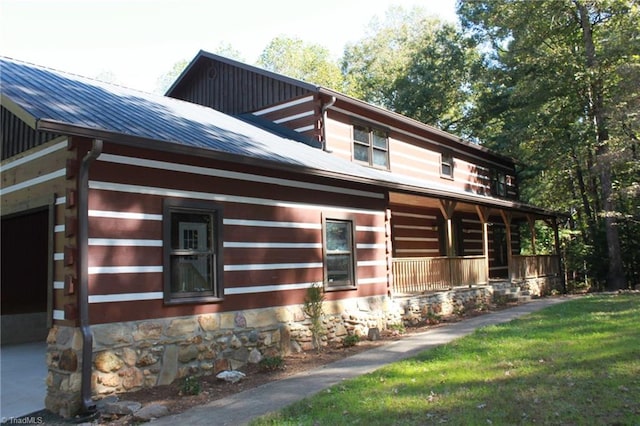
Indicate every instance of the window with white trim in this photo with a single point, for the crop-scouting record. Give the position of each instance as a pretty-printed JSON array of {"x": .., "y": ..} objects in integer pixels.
[
  {"x": 499, "y": 183},
  {"x": 371, "y": 146},
  {"x": 192, "y": 251},
  {"x": 446, "y": 165},
  {"x": 339, "y": 253}
]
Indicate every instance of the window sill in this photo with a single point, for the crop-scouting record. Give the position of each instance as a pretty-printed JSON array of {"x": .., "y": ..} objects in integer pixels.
[
  {"x": 192, "y": 300},
  {"x": 340, "y": 288}
]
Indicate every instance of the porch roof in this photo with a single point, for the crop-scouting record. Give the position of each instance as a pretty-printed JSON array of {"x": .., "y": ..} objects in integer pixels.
[{"x": 62, "y": 103}]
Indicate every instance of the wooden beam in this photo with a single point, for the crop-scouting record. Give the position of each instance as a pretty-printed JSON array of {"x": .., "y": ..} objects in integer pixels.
[
  {"x": 507, "y": 218},
  {"x": 447, "y": 208},
  {"x": 483, "y": 215},
  {"x": 532, "y": 230}
]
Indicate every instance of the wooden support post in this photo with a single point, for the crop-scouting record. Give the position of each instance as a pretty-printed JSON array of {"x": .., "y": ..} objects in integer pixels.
[
  {"x": 532, "y": 230},
  {"x": 483, "y": 215},
  {"x": 506, "y": 218},
  {"x": 447, "y": 208}
]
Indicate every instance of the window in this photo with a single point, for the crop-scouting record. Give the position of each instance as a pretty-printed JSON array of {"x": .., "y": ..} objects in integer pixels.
[
  {"x": 499, "y": 184},
  {"x": 370, "y": 146},
  {"x": 192, "y": 251},
  {"x": 339, "y": 253},
  {"x": 446, "y": 165}
]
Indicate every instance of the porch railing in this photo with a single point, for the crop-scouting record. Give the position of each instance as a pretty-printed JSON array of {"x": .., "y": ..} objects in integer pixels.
[
  {"x": 420, "y": 274},
  {"x": 535, "y": 266}
]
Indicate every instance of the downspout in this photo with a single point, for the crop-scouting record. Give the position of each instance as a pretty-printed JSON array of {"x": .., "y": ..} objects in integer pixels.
[
  {"x": 324, "y": 109},
  {"x": 83, "y": 293}
]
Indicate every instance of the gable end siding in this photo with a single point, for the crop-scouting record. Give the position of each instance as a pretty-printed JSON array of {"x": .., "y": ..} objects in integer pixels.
[
  {"x": 18, "y": 136},
  {"x": 233, "y": 90}
]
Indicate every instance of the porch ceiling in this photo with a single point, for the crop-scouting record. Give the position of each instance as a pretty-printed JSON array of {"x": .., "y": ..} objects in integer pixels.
[{"x": 517, "y": 212}]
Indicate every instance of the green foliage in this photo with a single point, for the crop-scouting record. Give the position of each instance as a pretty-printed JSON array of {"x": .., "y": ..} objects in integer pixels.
[
  {"x": 568, "y": 112},
  {"x": 414, "y": 65},
  {"x": 351, "y": 340},
  {"x": 399, "y": 327},
  {"x": 573, "y": 363},
  {"x": 295, "y": 58},
  {"x": 190, "y": 385},
  {"x": 271, "y": 363},
  {"x": 313, "y": 308}
]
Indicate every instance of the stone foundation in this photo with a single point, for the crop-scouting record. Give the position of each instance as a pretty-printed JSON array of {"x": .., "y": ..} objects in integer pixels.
[
  {"x": 422, "y": 308},
  {"x": 64, "y": 359},
  {"x": 139, "y": 354},
  {"x": 542, "y": 286}
]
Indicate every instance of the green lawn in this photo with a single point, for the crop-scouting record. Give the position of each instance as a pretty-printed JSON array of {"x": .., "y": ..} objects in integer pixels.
[{"x": 576, "y": 363}]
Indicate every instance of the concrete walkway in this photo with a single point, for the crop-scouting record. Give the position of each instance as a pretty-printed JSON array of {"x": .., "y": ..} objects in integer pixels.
[
  {"x": 23, "y": 371},
  {"x": 240, "y": 408}
]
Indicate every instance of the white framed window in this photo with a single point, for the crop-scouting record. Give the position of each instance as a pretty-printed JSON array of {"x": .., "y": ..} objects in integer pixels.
[
  {"x": 371, "y": 146},
  {"x": 446, "y": 165},
  {"x": 339, "y": 252},
  {"x": 192, "y": 251}
]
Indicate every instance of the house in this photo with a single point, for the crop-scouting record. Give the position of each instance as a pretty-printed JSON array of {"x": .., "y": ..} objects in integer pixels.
[{"x": 155, "y": 237}]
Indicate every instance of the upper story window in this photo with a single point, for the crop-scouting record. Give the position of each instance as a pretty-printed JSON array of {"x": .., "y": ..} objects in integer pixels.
[
  {"x": 192, "y": 251},
  {"x": 446, "y": 165},
  {"x": 371, "y": 146},
  {"x": 339, "y": 253},
  {"x": 499, "y": 183}
]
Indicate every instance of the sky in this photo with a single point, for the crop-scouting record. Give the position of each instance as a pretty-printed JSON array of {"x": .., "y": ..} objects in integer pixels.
[{"x": 135, "y": 42}]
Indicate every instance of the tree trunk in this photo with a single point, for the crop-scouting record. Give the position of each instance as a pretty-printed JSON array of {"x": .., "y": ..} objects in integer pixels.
[{"x": 615, "y": 276}]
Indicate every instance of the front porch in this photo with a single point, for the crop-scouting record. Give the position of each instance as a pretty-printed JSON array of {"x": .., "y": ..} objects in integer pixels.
[
  {"x": 415, "y": 275},
  {"x": 440, "y": 244}
]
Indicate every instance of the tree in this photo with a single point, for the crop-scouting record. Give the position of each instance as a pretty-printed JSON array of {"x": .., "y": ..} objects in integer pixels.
[
  {"x": 307, "y": 62},
  {"x": 414, "y": 65},
  {"x": 551, "y": 72}
]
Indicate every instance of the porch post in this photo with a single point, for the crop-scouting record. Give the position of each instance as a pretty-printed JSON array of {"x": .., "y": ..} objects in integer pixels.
[
  {"x": 506, "y": 218},
  {"x": 556, "y": 244},
  {"x": 447, "y": 208},
  {"x": 483, "y": 215},
  {"x": 532, "y": 230}
]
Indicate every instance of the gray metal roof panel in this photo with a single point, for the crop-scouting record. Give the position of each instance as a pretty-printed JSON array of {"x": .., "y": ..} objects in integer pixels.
[{"x": 55, "y": 96}]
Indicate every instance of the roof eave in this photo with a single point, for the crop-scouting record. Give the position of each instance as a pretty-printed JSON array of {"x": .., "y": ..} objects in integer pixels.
[
  {"x": 18, "y": 111},
  {"x": 177, "y": 148}
]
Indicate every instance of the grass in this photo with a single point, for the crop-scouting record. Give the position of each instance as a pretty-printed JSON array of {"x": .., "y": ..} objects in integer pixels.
[{"x": 576, "y": 363}]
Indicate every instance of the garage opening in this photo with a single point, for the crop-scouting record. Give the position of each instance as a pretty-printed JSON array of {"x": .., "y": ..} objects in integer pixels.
[{"x": 24, "y": 277}]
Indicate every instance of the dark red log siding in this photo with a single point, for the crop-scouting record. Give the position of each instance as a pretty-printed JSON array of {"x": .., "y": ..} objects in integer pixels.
[
  {"x": 310, "y": 109},
  {"x": 415, "y": 232},
  {"x": 269, "y": 214},
  {"x": 419, "y": 156}
]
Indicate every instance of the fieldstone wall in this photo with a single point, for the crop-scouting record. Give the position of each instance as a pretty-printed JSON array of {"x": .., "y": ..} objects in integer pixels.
[
  {"x": 64, "y": 360},
  {"x": 542, "y": 286},
  {"x": 138, "y": 354},
  {"x": 421, "y": 308}
]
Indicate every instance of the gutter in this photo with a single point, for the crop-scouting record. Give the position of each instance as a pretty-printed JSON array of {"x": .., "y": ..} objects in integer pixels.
[
  {"x": 88, "y": 406},
  {"x": 324, "y": 110}
]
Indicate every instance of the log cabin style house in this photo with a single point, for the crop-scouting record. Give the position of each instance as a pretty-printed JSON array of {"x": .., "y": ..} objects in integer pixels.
[{"x": 148, "y": 238}]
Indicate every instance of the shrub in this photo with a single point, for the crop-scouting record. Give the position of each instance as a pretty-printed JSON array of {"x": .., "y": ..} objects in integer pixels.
[
  {"x": 399, "y": 327},
  {"x": 190, "y": 386},
  {"x": 313, "y": 309},
  {"x": 351, "y": 340},
  {"x": 271, "y": 363}
]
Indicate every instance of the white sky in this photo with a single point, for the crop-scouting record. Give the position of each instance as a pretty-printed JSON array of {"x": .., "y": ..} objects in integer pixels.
[{"x": 137, "y": 41}]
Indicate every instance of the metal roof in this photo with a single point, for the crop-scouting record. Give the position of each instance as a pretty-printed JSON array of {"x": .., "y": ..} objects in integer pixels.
[{"x": 64, "y": 103}]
